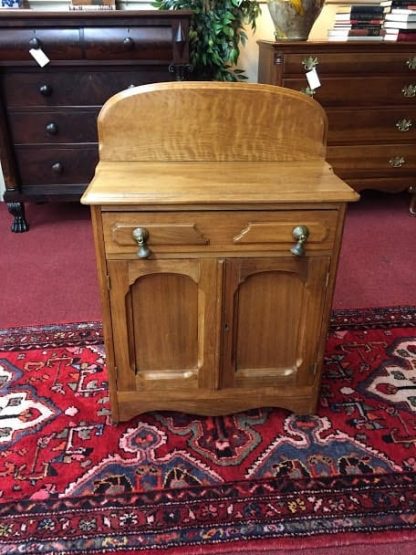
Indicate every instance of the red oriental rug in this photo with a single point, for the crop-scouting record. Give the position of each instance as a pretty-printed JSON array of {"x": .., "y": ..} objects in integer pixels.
[{"x": 261, "y": 481}]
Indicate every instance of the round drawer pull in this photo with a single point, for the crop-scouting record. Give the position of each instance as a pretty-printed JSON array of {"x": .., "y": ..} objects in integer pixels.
[
  {"x": 141, "y": 235},
  {"x": 57, "y": 168},
  {"x": 397, "y": 161},
  {"x": 35, "y": 43},
  {"x": 300, "y": 235},
  {"x": 404, "y": 125},
  {"x": 409, "y": 91},
  {"x": 128, "y": 43},
  {"x": 51, "y": 128},
  {"x": 45, "y": 90}
]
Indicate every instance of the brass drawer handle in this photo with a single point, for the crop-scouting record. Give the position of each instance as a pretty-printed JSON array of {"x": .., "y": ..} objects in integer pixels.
[
  {"x": 300, "y": 235},
  {"x": 309, "y": 63},
  {"x": 397, "y": 162},
  {"x": 45, "y": 90},
  {"x": 308, "y": 91},
  {"x": 58, "y": 168},
  {"x": 411, "y": 63},
  {"x": 404, "y": 125},
  {"x": 409, "y": 91},
  {"x": 52, "y": 128},
  {"x": 141, "y": 235}
]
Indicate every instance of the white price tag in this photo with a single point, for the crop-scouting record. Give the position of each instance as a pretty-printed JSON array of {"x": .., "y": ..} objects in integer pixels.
[
  {"x": 40, "y": 56},
  {"x": 313, "y": 79}
]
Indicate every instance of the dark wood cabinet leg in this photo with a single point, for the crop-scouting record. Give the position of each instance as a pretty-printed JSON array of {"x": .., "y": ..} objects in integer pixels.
[{"x": 19, "y": 224}]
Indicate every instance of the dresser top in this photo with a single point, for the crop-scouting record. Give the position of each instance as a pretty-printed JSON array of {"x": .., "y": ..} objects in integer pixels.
[{"x": 215, "y": 184}]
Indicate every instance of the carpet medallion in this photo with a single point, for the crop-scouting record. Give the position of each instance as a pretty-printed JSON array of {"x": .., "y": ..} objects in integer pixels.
[{"x": 72, "y": 482}]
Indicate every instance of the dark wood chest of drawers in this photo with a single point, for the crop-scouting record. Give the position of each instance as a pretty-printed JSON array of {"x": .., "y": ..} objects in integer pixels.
[
  {"x": 48, "y": 137},
  {"x": 369, "y": 94}
]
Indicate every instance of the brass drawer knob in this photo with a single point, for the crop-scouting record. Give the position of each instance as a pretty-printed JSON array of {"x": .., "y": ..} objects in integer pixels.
[
  {"x": 404, "y": 125},
  {"x": 45, "y": 90},
  {"x": 309, "y": 63},
  {"x": 397, "y": 161},
  {"x": 57, "y": 168},
  {"x": 411, "y": 63},
  {"x": 51, "y": 128},
  {"x": 141, "y": 235},
  {"x": 409, "y": 91},
  {"x": 300, "y": 235},
  {"x": 308, "y": 91}
]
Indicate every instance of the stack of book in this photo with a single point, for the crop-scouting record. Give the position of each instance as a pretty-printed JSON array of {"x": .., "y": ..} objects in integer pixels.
[
  {"x": 400, "y": 23},
  {"x": 94, "y": 5},
  {"x": 359, "y": 21}
]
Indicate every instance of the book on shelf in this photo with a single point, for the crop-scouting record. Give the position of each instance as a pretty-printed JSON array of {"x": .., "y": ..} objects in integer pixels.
[
  {"x": 401, "y": 17},
  {"x": 368, "y": 38},
  {"x": 92, "y": 5},
  {"x": 401, "y": 36},
  {"x": 400, "y": 24}
]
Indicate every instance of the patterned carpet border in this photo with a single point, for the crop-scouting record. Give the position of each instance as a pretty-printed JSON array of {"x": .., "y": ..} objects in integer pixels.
[
  {"x": 91, "y": 333},
  {"x": 203, "y": 516}
]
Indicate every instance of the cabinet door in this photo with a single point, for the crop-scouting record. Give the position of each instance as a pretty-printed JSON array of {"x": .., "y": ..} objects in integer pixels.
[
  {"x": 165, "y": 324},
  {"x": 272, "y": 320}
]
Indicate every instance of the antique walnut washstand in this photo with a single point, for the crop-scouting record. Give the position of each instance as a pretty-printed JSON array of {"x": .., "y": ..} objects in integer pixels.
[{"x": 217, "y": 227}]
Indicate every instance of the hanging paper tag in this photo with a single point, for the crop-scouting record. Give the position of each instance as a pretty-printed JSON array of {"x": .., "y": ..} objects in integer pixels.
[
  {"x": 313, "y": 79},
  {"x": 40, "y": 56}
]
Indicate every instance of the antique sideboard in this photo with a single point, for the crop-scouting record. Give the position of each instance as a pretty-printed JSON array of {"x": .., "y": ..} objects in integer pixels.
[
  {"x": 368, "y": 91},
  {"x": 48, "y": 138}
]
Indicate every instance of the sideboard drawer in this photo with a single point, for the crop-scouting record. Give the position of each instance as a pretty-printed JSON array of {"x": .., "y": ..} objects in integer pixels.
[
  {"x": 390, "y": 160},
  {"x": 56, "y": 165},
  {"x": 69, "y": 126},
  {"x": 57, "y": 44},
  {"x": 371, "y": 125},
  {"x": 350, "y": 63},
  {"x": 199, "y": 231},
  {"x": 358, "y": 92},
  {"x": 74, "y": 88},
  {"x": 141, "y": 43}
]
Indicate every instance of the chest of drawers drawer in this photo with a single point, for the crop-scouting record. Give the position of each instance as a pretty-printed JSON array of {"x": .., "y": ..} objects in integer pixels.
[
  {"x": 57, "y": 126},
  {"x": 139, "y": 43},
  {"x": 58, "y": 44},
  {"x": 359, "y": 91},
  {"x": 56, "y": 165},
  {"x": 368, "y": 125},
  {"x": 73, "y": 88},
  {"x": 208, "y": 232}
]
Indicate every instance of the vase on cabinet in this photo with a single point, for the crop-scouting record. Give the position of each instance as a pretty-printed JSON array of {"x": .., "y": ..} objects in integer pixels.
[{"x": 293, "y": 19}]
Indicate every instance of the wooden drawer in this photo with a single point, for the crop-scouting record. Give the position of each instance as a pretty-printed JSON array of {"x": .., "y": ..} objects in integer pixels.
[
  {"x": 373, "y": 160},
  {"x": 70, "y": 126},
  {"x": 58, "y": 44},
  {"x": 350, "y": 63},
  {"x": 357, "y": 91},
  {"x": 233, "y": 231},
  {"x": 370, "y": 125},
  {"x": 75, "y": 88},
  {"x": 139, "y": 43},
  {"x": 56, "y": 165}
]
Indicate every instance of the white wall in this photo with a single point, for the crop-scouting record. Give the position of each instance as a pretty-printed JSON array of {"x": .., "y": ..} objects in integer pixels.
[{"x": 248, "y": 55}]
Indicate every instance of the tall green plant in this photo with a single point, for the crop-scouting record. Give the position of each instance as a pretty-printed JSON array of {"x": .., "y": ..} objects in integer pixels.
[{"x": 215, "y": 35}]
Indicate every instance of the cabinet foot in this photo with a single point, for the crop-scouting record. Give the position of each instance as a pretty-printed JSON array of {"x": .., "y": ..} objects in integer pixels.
[{"x": 19, "y": 224}]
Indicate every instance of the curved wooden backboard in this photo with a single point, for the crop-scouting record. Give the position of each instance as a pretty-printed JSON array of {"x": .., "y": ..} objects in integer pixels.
[{"x": 211, "y": 121}]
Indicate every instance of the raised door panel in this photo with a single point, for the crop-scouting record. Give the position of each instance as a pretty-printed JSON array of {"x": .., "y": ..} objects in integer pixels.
[
  {"x": 164, "y": 324},
  {"x": 272, "y": 321}
]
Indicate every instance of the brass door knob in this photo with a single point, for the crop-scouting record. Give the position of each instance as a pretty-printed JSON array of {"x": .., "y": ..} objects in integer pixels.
[
  {"x": 141, "y": 235},
  {"x": 300, "y": 235}
]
